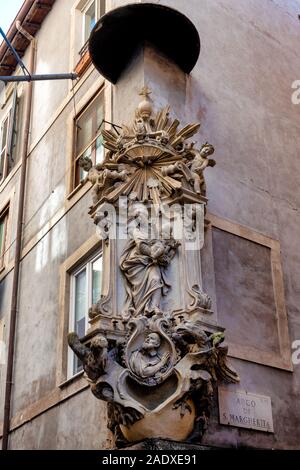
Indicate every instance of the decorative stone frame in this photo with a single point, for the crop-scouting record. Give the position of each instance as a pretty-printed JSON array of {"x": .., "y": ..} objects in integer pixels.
[
  {"x": 71, "y": 263},
  {"x": 252, "y": 354}
]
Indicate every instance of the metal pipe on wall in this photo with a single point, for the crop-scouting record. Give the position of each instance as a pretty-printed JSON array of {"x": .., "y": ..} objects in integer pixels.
[
  {"x": 17, "y": 259},
  {"x": 30, "y": 78}
]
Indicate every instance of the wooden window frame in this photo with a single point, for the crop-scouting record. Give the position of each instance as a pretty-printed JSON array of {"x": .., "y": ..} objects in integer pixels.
[
  {"x": 11, "y": 117},
  {"x": 84, "y": 12},
  {"x": 4, "y": 215},
  {"x": 76, "y": 157},
  {"x": 87, "y": 266},
  {"x": 3, "y": 149},
  {"x": 82, "y": 59},
  {"x": 91, "y": 248}
]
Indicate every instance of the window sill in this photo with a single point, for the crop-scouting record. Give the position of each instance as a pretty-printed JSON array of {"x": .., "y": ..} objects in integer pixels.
[
  {"x": 75, "y": 190},
  {"x": 4, "y": 181},
  {"x": 72, "y": 379}
]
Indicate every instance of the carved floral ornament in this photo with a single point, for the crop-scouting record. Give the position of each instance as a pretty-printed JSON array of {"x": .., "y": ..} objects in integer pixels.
[{"x": 158, "y": 376}]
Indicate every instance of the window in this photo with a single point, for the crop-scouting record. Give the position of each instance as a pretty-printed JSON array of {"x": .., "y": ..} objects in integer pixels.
[
  {"x": 84, "y": 292},
  {"x": 89, "y": 20},
  {"x": 91, "y": 13},
  {"x": 3, "y": 233},
  {"x": 87, "y": 139},
  {"x": 4, "y": 143},
  {"x": 8, "y": 139},
  {"x": 84, "y": 14}
]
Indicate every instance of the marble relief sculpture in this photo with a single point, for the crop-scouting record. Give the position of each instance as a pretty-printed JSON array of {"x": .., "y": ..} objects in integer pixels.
[
  {"x": 147, "y": 361},
  {"x": 155, "y": 365},
  {"x": 144, "y": 264}
]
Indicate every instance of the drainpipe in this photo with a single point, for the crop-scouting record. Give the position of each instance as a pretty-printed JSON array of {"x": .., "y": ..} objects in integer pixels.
[{"x": 18, "y": 247}]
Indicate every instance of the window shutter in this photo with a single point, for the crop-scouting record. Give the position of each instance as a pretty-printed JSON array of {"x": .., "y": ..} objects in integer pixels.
[
  {"x": 12, "y": 130},
  {"x": 1, "y": 156}
]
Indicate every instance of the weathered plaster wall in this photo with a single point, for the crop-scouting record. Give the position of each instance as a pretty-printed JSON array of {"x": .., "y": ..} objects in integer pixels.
[
  {"x": 39, "y": 307},
  {"x": 241, "y": 92},
  {"x": 53, "y": 53},
  {"x": 52, "y": 430}
]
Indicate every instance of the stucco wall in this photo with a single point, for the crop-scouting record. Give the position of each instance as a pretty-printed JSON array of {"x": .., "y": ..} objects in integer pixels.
[{"x": 52, "y": 430}]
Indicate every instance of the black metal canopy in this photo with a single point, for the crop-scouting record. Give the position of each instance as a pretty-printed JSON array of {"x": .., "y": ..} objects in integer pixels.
[{"x": 118, "y": 34}]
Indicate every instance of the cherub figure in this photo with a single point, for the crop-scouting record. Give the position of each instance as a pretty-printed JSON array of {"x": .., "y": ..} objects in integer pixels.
[
  {"x": 177, "y": 171},
  {"x": 101, "y": 177},
  {"x": 172, "y": 169},
  {"x": 199, "y": 163},
  {"x": 94, "y": 175}
]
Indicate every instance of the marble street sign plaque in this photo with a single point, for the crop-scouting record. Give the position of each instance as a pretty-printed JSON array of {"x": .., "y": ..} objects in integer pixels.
[{"x": 245, "y": 410}]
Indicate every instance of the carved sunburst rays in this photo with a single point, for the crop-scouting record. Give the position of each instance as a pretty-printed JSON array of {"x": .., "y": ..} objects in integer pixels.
[
  {"x": 147, "y": 183},
  {"x": 162, "y": 123},
  {"x": 110, "y": 140},
  {"x": 145, "y": 148}
]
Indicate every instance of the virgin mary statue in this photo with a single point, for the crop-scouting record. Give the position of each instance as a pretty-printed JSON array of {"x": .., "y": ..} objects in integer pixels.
[{"x": 144, "y": 264}]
